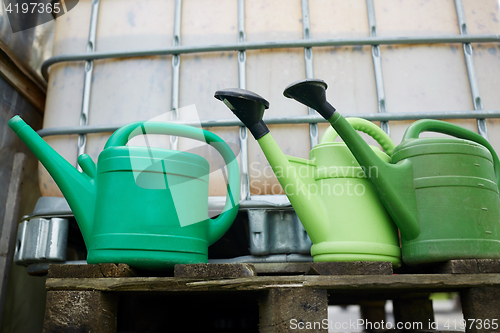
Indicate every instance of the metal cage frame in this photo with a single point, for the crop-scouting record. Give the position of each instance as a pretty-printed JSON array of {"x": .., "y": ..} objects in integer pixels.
[{"x": 308, "y": 44}]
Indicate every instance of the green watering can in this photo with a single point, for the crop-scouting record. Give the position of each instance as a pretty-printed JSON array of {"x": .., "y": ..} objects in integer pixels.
[
  {"x": 146, "y": 207},
  {"x": 327, "y": 190},
  {"x": 441, "y": 192}
]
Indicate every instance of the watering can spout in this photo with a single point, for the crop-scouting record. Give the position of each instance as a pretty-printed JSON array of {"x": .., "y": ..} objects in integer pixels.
[
  {"x": 312, "y": 93},
  {"x": 393, "y": 183},
  {"x": 78, "y": 188},
  {"x": 249, "y": 108}
]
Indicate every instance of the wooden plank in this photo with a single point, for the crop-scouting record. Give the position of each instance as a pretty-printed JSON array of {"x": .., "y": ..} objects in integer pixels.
[
  {"x": 9, "y": 225},
  {"x": 20, "y": 78},
  {"x": 351, "y": 268},
  {"x": 468, "y": 266},
  {"x": 481, "y": 309},
  {"x": 288, "y": 309},
  {"x": 488, "y": 265},
  {"x": 214, "y": 271},
  {"x": 341, "y": 283},
  {"x": 81, "y": 311},
  {"x": 282, "y": 268},
  {"x": 90, "y": 271}
]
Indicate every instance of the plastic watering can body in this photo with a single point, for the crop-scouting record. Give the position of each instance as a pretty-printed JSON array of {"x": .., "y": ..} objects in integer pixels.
[
  {"x": 327, "y": 190},
  {"x": 358, "y": 227},
  {"x": 441, "y": 192},
  {"x": 146, "y": 207},
  {"x": 456, "y": 191},
  {"x": 137, "y": 213}
]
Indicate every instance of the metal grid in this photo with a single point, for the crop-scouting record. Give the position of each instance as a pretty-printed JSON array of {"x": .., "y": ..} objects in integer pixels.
[
  {"x": 242, "y": 83},
  {"x": 176, "y": 66},
  {"x": 377, "y": 65},
  {"x": 471, "y": 70},
  {"x": 307, "y": 43},
  {"x": 87, "y": 82}
]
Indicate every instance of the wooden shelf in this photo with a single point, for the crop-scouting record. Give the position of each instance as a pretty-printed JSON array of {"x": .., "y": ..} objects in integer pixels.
[
  {"x": 89, "y": 296},
  {"x": 344, "y": 283}
]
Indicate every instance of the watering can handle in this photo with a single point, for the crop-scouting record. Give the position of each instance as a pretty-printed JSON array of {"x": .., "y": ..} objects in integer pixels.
[
  {"x": 430, "y": 125},
  {"x": 220, "y": 224},
  {"x": 367, "y": 127}
]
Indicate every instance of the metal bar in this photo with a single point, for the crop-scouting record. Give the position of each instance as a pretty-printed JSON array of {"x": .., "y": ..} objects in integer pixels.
[
  {"x": 176, "y": 65},
  {"x": 87, "y": 83},
  {"x": 214, "y": 203},
  {"x": 241, "y": 39},
  {"x": 400, "y": 116},
  {"x": 377, "y": 65},
  {"x": 308, "y": 56},
  {"x": 242, "y": 83},
  {"x": 271, "y": 45},
  {"x": 471, "y": 69}
]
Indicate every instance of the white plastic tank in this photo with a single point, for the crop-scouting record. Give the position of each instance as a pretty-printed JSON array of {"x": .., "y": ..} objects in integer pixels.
[{"x": 417, "y": 78}]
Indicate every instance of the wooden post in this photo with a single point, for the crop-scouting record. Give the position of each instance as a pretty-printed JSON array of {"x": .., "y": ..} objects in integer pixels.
[
  {"x": 9, "y": 225},
  {"x": 83, "y": 311},
  {"x": 288, "y": 309},
  {"x": 414, "y": 312},
  {"x": 481, "y": 309},
  {"x": 80, "y": 311},
  {"x": 373, "y": 311}
]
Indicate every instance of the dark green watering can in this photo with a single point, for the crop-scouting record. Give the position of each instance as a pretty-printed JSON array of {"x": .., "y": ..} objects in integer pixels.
[
  {"x": 146, "y": 207},
  {"x": 443, "y": 193}
]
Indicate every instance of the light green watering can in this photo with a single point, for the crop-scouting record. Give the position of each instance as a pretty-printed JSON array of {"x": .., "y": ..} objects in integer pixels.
[
  {"x": 330, "y": 193},
  {"x": 443, "y": 193},
  {"x": 146, "y": 207}
]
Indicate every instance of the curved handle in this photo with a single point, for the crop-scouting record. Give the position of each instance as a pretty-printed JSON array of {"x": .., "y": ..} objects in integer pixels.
[
  {"x": 220, "y": 224},
  {"x": 367, "y": 127},
  {"x": 430, "y": 125}
]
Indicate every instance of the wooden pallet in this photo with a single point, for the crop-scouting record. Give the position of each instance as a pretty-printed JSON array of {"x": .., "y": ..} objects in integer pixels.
[{"x": 263, "y": 297}]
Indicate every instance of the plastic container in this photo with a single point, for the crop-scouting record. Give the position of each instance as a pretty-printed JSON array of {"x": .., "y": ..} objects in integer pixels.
[{"x": 417, "y": 78}]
